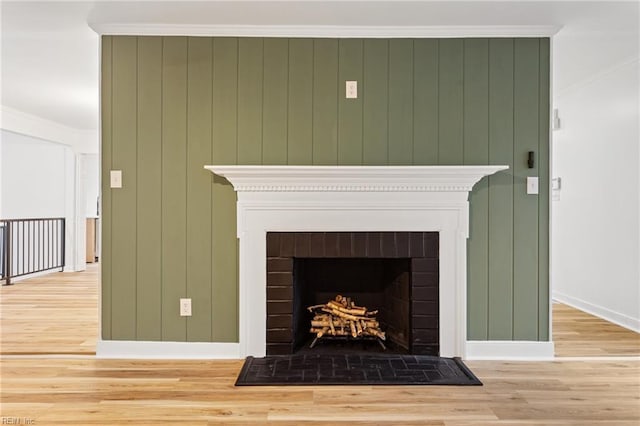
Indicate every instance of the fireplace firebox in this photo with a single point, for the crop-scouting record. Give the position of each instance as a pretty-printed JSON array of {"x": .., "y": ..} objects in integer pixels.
[{"x": 393, "y": 272}]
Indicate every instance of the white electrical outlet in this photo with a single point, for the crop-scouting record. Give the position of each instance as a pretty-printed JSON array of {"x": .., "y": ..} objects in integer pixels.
[
  {"x": 532, "y": 185},
  {"x": 185, "y": 307},
  {"x": 116, "y": 178},
  {"x": 351, "y": 90}
]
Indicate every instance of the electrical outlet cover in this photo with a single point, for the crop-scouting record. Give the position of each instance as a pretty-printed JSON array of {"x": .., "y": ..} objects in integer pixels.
[
  {"x": 351, "y": 89},
  {"x": 185, "y": 307}
]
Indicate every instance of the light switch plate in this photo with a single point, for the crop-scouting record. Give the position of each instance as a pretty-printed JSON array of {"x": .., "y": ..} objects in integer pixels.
[
  {"x": 116, "y": 178},
  {"x": 351, "y": 90},
  {"x": 532, "y": 185}
]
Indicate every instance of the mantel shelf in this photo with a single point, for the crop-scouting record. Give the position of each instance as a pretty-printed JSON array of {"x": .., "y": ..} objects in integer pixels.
[{"x": 354, "y": 178}]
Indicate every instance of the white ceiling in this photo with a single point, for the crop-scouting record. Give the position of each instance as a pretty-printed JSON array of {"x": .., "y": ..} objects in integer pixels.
[{"x": 50, "y": 55}]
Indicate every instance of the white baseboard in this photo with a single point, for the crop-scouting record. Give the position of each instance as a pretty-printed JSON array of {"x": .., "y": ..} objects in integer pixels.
[
  {"x": 599, "y": 311},
  {"x": 476, "y": 350},
  {"x": 509, "y": 350},
  {"x": 125, "y": 349}
]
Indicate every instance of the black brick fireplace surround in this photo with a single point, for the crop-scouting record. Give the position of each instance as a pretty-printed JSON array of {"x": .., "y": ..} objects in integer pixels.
[{"x": 418, "y": 251}]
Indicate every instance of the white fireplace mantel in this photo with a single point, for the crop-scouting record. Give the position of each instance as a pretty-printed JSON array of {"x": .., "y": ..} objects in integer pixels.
[
  {"x": 354, "y": 178},
  {"x": 353, "y": 199}
]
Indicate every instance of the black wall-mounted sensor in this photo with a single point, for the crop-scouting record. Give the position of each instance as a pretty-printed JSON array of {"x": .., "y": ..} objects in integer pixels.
[{"x": 530, "y": 159}]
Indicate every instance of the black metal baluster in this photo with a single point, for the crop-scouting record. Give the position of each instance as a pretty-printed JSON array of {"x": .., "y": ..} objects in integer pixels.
[
  {"x": 9, "y": 260},
  {"x": 28, "y": 246},
  {"x": 64, "y": 242},
  {"x": 21, "y": 243},
  {"x": 41, "y": 255}
]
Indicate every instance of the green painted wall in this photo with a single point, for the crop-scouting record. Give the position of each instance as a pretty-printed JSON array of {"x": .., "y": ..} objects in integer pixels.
[{"x": 170, "y": 105}]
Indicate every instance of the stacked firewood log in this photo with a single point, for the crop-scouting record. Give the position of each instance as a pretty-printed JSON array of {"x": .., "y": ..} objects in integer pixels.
[{"x": 341, "y": 317}]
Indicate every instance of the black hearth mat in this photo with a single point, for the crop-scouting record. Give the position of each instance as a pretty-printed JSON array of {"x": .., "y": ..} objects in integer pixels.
[{"x": 327, "y": 369}]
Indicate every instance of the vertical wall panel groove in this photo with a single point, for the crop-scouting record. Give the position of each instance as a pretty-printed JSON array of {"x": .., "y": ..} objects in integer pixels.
[
  {"x": 375, "y": 101},
  {"x": 544, "y": 184},
  {"x": 500, "y": 190},
  {"x": 350, "y": 110},
  {"x": 325, "y": 102},
  {"x": 450, "y": 115},
  {"x": 274, "y": 123},
  {"x": 149, "y": 206},
  {"x": 400, "y": 102},
  {"x": 105, "y": 196},
  {"x": 476, "y": 151},
  {"x": 425, "y": 101},
  {"x": 250, "y": 78},
  {"x": 525, "y": 209},
  {"x": 224, "y": 304},
  {"x": 199, "y": 84},
  {"x": 300, "y": 126},
  {"x": 174, "y": 171},
  {"x": 123, "y": 200}
]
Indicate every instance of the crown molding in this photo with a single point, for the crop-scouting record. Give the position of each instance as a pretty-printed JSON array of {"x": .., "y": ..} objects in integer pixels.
[{"x": 327, "y": 31}]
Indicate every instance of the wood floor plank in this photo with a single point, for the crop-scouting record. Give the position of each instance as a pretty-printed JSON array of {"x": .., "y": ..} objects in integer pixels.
[
  {"x": 55, "y": 313},
  {"x": 578, "y": 334},
  {"x": 94, "y": 391}
]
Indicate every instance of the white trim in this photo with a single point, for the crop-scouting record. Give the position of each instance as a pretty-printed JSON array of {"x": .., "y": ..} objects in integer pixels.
[
  {"x": 354, "y": 178},
  {"x": 327, "y": 31},
  {"x": 353, "y": 199},
  {"x": 606, "y": 314},
  {"x": 127, "y": 349},
  {"x": 100, "y": 194},
  {"x": 550, "y": 258},
  {"x": 598, "y": 358},
  {"x": 506, "y": 350},
  {"x": 48, "y": 356}
]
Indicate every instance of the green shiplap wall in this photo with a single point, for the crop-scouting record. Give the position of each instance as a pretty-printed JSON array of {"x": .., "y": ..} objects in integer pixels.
[{"x": 170, "y": 105}]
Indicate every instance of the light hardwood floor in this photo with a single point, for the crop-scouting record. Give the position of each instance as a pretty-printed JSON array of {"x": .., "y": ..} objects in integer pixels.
[
  {"x": 58, "y": 314},
  {"x": 110, "y": 392},
  {"x": 84, "y": 390},
  {"x": 51, "y": 314},
  {"x": 578, "y": 334}
]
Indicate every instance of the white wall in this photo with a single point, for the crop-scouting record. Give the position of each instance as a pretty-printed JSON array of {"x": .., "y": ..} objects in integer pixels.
[
  {"x": 39, "y": 179},
  {"x": 19, "y": 122},
  {"x": 91, "y": 182},
  {"x": 596, "y": 213},
  {"x": 33, "y": 177}
]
